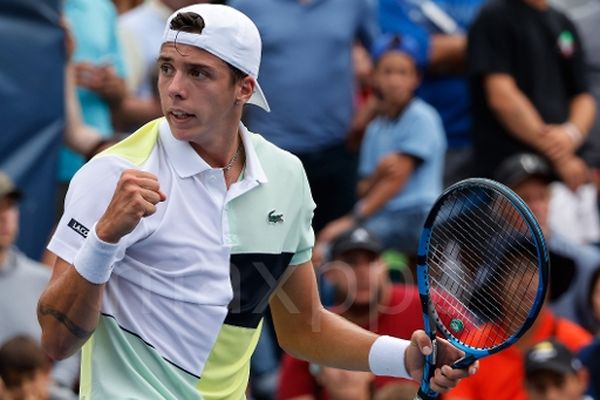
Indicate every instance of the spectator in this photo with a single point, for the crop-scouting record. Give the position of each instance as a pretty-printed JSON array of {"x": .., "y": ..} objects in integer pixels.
[
  {"x": 586, "y": 16},
  {"x": 99, "y": 70},
  {"x": 572, "y": 263},
  {"x": 502, "y": 375},
  {"x": 364, "y": 295},
  {"x": 174, "y": 241},
  {"x": 22, "y": 281},
  {"x": 552, "y": 372},
  {"x": 440, "y": 26},
  {"x": 590, "y": 357},
  {"x": 24, "y": 369},
  {"x": 529, "y": 87},
  {"x": 308, "y": 74},
  {"x": 402, "y": 154}
]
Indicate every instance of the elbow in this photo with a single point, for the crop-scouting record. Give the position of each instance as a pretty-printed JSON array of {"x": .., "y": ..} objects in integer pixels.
[{"x": 55, "y": 347}]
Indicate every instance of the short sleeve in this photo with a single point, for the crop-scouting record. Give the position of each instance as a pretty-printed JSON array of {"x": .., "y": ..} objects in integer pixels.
[
  {"x": 306, "y": 237},
  {"x": 90, "y": 192},
  {"x": 425, "y": 133},
  {"x": 488, "y": 49}
]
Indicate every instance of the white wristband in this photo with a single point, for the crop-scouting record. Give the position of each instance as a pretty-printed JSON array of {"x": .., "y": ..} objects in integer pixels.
[
  {"x": 574, "y": 133},
  {"x": 386, "y": 357},
  {"x": 95, "y": 259}
]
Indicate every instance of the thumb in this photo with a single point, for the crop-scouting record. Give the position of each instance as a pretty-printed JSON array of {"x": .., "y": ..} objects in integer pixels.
[
  {"x": 423, "y": 342},
  {"x": 162, "y": 195}
]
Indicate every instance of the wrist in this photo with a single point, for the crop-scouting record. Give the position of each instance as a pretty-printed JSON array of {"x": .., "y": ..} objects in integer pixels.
[
  {"x": 387, "y": 357},
  {"x": 95, "y": 259},
  {"x": 573, "y": 132}
]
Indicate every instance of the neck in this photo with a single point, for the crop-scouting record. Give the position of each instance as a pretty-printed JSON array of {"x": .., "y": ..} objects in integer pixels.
[{"x": 392, "y": 111}]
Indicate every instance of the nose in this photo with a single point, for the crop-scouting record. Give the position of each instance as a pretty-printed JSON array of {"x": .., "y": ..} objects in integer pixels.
[{"x": 177, "y": 86}]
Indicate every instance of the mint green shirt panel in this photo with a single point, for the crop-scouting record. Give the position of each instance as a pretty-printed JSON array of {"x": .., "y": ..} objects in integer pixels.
[
  {"x": 132, "y": 370},
  {"x": 275, "y": 217}
]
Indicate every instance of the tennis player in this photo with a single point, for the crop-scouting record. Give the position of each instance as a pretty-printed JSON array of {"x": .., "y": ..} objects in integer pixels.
[{"x": 174, "y": 241}]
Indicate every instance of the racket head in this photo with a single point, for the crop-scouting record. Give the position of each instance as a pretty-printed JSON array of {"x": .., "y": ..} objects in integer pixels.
[{"x": 482, "y": 269}]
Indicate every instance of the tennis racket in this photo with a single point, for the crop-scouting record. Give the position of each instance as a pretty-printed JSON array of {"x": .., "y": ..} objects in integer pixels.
[{"x": 482, "y": 271}]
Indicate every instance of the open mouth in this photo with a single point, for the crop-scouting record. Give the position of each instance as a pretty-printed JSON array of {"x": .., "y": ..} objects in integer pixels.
[{"x": 181, "y": 116}]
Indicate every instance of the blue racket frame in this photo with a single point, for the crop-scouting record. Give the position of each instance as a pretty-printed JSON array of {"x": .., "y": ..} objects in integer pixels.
[{"x": 431, "y": 320}]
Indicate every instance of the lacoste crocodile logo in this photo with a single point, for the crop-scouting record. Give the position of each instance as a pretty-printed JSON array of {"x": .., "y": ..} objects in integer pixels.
[{"x": 275, "y": 218}]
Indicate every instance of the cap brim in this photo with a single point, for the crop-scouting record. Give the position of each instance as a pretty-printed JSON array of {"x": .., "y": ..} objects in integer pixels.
[
  {"x": 557, "y": 367},
  {"x": 258, "y": 98}
]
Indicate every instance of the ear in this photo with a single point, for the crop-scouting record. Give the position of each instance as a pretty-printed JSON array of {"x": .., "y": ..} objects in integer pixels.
[{"x": 246, "y": 89}]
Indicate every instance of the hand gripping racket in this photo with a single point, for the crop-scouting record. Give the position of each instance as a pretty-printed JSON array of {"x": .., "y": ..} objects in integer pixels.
[{"x": 482, "y": 270}]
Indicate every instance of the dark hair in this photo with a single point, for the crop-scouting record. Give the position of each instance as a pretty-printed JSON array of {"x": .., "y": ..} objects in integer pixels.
[
  {"x": 193, "y": 23},
  {"x": 20, "y": 358}
]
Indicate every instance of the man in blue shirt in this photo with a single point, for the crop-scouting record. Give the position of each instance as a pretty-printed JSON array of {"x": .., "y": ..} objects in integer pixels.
[{"x": 307, "y": 74}]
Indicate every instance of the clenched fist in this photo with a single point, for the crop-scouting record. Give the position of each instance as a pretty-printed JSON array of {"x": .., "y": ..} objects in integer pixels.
[{"x": 136, "y": 196}]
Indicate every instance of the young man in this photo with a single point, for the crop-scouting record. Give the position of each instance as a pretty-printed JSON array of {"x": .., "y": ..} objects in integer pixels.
[
  {"x": 174, "y": 240},
  {"x": 553, "y": 372}
]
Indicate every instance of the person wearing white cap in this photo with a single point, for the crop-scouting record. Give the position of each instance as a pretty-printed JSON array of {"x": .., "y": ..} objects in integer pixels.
[{"x": 174, "y": 241}]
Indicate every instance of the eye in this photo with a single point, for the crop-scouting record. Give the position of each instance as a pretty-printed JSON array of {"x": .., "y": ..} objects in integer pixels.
[
  {"x": 166, "y": 69},
  {"x": 198, "y": 73}
]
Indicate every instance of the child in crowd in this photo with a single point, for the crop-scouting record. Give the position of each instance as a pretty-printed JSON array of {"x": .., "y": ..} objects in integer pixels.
[
  {"x": 402, "y": 154},
  {"x": 24, "y": 370}
]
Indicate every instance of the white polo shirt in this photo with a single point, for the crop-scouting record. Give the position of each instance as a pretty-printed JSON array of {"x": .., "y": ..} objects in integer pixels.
[{"x": 183, "y": 308}]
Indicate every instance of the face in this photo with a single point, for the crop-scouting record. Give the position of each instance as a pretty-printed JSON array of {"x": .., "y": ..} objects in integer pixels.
[
  {"x": 396, "y": 78},
  {"x": 567, "y": 387},
  {"x": 9, "y": 222},
  {"x": 357, "y": 276},
  {"x": 197, "y": 93},
  {"x": 536, "y": 193}
]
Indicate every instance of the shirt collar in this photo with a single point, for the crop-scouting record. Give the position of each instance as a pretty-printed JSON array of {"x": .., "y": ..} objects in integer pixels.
[{"x": 188, "y": 163}]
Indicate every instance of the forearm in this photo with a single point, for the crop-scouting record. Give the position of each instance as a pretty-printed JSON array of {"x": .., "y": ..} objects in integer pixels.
[
  {"x": 582, "y": 113},
  {"x": 78, "y": 136},
  {"x": 447, "y": 54},
  {"x": 68, "y": 311},
  {"x": 325, "y": 340},
  {"x": 379, "y": 195},
  {"x": 514, "y": 111}
]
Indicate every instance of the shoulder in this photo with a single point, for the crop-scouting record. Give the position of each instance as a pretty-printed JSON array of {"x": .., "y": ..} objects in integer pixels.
[{"x": 273, "y": 159}]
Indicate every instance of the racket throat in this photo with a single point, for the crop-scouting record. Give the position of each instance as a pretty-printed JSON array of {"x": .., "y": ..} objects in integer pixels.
[{"x": 464, "y": 362}]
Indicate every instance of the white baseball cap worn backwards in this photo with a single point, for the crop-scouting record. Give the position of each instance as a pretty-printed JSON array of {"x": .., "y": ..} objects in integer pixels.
[{"x": 227, "y": 34}]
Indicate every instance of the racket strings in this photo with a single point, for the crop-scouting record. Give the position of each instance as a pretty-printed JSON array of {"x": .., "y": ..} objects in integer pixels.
[{"x": 484, "y": 296}]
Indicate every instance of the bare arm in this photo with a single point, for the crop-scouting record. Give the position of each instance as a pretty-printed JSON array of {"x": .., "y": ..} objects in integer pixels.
[
  {"x": 69, "y": 308},
  {"x": 514, "y": 110},
  {"x": 308, "y": 331},
  {"x": 447, "y": 54},
  {"x": 582, "y": 112},
  {"x": 68, "y": 311},
  {"x": 392, "y": 173},
  {"x": 79, "y": 137}
]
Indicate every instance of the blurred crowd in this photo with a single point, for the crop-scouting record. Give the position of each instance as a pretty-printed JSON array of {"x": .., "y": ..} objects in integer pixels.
[{"x": 386, "y": 103}]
